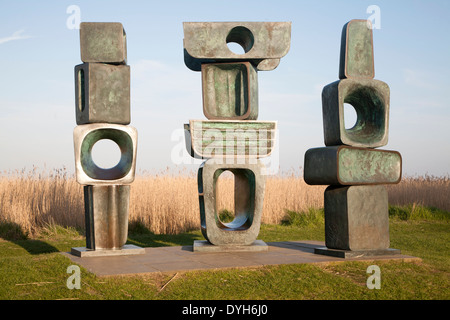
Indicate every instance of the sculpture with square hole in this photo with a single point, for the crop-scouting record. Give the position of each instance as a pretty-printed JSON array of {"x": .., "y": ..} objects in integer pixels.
[
  {"x": 102, "y": 95},
  {"x": 356, "y": 201},
  {"x": 232, "y": 139}
]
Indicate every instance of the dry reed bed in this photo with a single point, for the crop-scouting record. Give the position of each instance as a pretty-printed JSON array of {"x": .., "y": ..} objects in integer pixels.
[{"x": 168, "y": 204}]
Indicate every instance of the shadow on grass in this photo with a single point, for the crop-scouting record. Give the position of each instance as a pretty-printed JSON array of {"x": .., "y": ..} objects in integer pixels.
[
  {"x": 13, "y": 233},
  {"x": 140, "y": 235}
]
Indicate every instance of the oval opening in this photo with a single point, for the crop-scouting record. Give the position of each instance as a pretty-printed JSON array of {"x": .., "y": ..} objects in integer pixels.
[
  {"x": 225, "y": 196},
  {"x": 350, "y": 116},
  {"x": 106, "y": 154},
  {"x": 240, "y": 40}
]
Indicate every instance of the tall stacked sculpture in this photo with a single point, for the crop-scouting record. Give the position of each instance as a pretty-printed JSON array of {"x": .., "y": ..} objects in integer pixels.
[
  {"x": 232, "y": 139},
  {"x": 356, "y": 200},
  {"x": 102, "y": 98}
]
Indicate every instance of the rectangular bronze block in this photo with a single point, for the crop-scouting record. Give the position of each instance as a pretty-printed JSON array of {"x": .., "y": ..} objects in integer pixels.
[
  {"x": 102, "y": 93},
  {"x": 230, "y": 91},
  {"x": 106, "y": 214},
  {"x": 357, "y": 51},
  {"x": 103, "y": 42},
  {"x": 370, "y": 98},
  {"x": 343, "y": 165},
  {"x": 356, "y": 218}
]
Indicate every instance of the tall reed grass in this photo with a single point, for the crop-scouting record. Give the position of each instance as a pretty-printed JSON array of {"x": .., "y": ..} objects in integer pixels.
[{"x": 167, "y": 203}]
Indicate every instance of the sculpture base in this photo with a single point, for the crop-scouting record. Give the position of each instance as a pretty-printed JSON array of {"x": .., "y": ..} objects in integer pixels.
[
  {"x": 128, "y": 249},
  {"x": 357, "y": 253},
  {"x": 205, "y": 246}
]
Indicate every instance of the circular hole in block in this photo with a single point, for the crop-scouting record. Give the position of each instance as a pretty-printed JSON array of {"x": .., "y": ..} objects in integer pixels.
[
  {"x": 240, "y": 40},
  {"x": 106, "y": 153},
  {"x": 350, "y": 116},
  {"x": 244, "y": 199},
  {"x": 370, "y": 114},
  {"x": 125, "y": 144}
]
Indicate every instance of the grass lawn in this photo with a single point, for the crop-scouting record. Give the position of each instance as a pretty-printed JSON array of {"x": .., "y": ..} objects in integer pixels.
[{"x": 33, "y": 268}]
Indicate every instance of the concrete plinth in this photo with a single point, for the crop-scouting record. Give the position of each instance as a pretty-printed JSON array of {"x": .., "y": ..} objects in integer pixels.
[
  {"x": 355, "y": 254},
  {"x": 128, "y": 249},
  {"x": 205, "y": 246}
]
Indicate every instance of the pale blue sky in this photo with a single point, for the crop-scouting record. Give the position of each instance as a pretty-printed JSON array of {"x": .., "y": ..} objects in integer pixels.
[{"x": 38, "y": 53}]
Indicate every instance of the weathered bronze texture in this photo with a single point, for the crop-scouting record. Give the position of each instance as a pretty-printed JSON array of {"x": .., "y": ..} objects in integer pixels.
[
  {"x": 228, "y": 138},
  {"x": 249, "y": 195},
  {"x": 102, "y": 104},
  {"x": 356, "y": 217},
  {"x": 356, "y": 202},
  {"x": 230, "y": 91},
  {"x": 343, "y": 165},
  {"x": 370, "y": 98},
  {"x": 102, "y": 93},
  {"x": 87, "y": 172},
  {"x": 103, "y": 42},
  {"x": 232, "y": 139},
  {"x": 264, "y": 43},
  {"x": 106, "y": 216},
  {"x": 357, "y": 50}
]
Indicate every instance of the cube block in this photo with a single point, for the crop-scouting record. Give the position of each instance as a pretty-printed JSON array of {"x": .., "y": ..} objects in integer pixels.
[
  {"x": 249, "y": 196},
  {"x": 343, "y": 165},
  {"x": 230, "y": 91},
  {"x": 357, "y": 51},
  {"x": 370, "y": 98},
  {"x": 103, "y": 42},
  {"x": 356, "y": 218},
  {"x": 87, "y": 172},
  {"x": 102, "y": 93}
]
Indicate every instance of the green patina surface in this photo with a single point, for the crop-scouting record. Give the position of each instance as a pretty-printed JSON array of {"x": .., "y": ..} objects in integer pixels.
[
  {"x": 125, "y": 144},
  {"x": 359, "y": 50},
  {"x": 368, "y": 166},
  {"x": 230, "y": 90},
  {"x": 103, "y": 42}
]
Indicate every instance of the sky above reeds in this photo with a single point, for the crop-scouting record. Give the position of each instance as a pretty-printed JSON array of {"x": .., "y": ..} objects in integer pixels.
[{"x": 39, "y": 48}]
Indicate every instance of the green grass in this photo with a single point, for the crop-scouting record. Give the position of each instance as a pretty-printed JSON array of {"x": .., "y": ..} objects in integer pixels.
[{"x": 33, "y": 268}]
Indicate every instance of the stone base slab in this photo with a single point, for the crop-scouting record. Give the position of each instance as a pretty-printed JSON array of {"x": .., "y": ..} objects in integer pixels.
[
  {"x": 205, "y": 246},
  {"x": 355, "y": 254},
  {"x": 128, "y": 249}
]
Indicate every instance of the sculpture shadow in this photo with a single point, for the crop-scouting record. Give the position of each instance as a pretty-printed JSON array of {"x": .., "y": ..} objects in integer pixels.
[
  {"x": 140, "y": 235},
  {"x": 14, "y": 233}
]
